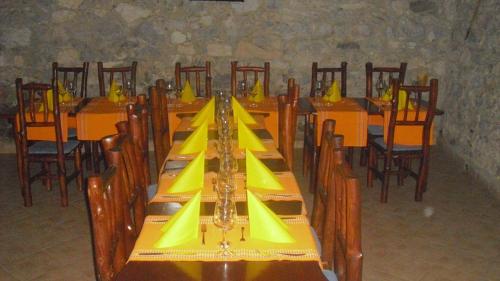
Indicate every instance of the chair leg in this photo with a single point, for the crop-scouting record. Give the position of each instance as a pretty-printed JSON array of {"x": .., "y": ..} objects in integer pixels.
[
  {"x": 88, "y": 156},
  {"x": 401, "y": 170},
  {"x": 313, "y": 171},
  {"x": 63, "y": 187},
  {"x": 78, "y": 168},
  {"x": 95, "y": 156},
  {"x": 305, "y": 156},
  {"x": 25, "y": 185},
  {"x": 422, "y": 177},
  {"x": 371, "y": 158},
  {"x": 387, "y": 175},
  {"x": 350, "y": 156},
  {"x": 363, "y": 156},
  {"x": 47, "y": 180}
]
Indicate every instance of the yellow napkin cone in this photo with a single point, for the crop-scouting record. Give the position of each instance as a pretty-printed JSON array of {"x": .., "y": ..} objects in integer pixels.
[
  {"x": 333, "y": 93},
  {"x": 259, "y": 176},
  {"x": 401, "y": 98},
  {"x": 247, "y": 139},
  {"x": 183, "y": 226},
  {"x": 257, "y": 92},
  {"x": 115, "y": 94},
  {"x": 197, "y": 141},
  {"x": 191, "y": 178},
  {"x": 206, "y": 113},
  {"x": 64, "y": 96},
  {"x": 240, "y": 113},
  {"x": 264, "y": 224},
  {"x": 187, "y": 94}
]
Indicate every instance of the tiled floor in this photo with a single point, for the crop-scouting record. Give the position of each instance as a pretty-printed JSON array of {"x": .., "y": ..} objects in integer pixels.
[{"x": 454, "y": 234}]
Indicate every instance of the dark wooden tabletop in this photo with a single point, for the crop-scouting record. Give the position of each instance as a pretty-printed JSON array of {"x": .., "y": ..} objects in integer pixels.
[{"x": 222, "y": 271}]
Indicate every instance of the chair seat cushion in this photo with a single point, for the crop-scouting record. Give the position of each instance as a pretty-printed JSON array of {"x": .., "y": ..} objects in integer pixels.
[
  {"x": 49, "y": 147},
  {"x": 316, "y": 240},
  {"x": 398, "y": 147},
  {"x": 152, "y": 191},
  {"x": 330, "y": 275},
  {"x": 376, "y": 130}
]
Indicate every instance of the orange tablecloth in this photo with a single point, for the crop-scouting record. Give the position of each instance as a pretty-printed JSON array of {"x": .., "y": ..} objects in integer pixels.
[
  {"x": 49, "y": 134},
  {"x": 405, "y": 135},
  {"x": 269, "y": 105},
  {"x": 351, "y": 120},
  {"x": 98, "y": 118}
]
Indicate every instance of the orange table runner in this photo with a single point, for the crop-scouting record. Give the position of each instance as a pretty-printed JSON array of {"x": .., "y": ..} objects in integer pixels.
[
  {"x": 251, "y": 249},
  {"x": 98, "y": 118},
  {"x": 211, "y": 152},
  {"x": 269, "y": 105},
  {"x": 351, "y": 120},
  {"x": 403, "y": 135}
]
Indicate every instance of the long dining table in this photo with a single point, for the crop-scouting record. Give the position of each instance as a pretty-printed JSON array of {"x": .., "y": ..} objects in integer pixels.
[{"x": 278, "y": 262}]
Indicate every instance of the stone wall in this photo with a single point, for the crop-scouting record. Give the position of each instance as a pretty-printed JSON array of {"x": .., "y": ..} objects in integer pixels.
[
  {"x": 291, "y": 34},
  {"x": 471, "y": 125}
]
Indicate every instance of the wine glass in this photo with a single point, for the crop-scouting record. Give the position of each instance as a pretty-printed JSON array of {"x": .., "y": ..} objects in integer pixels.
[
  {"x": 242, "y": 87},
  {"x": 170, "y": 87},
  {"x": 128, "y": 92},
  {"x": 71, "y": 90},
  {"x": 379, "y": 86},
  {"x": 318, "y": 87}
]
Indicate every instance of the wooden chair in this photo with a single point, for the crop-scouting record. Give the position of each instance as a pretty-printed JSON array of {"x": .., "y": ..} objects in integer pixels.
[
  {"x": 197, "y": 71},
  {"x": 106, "y": 204},
  {"x": 420, "y": 117},
  {"x": 32, "y": 116},
  {"x": 119, "y": 151},
  {"x": 71, "y": 74},
  {"x": 293, "y": 92},
  {"x": 323, "y": 74},
  {"x": 319, "y": 172},
  {"x": 245, "y": 71},
  {"x": 384, "y": 76},
  {"x": 287, "y": 123},
  {"x": 124, "y": 73},
  {"x": 337, "y": 216},
  {"x": 78, "y": 76},
  {"x": 159, "y": 121}
]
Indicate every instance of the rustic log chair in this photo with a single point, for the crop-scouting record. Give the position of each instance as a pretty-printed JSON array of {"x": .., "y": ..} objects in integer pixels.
[
  {"x": 244, "y": 72},
  {"x": 119, "y": 150},
  {"x": 337, "y": 216},
  {"x": 293, "y": 92},
  {"x": 287, "y": 123},
  {"x": 159, "y": 120},
  {"x": 383, "y": 75},
  {"x": 318, "y": 178},
  {"x": 31, "y": 115},
  {"x": 77, "y": 75},
  {"x": 106, "y": 204},
  {"x": 327, "y": 75},
  {"x": 420, "y": 117},
  {"x": 197, "y": 72}
]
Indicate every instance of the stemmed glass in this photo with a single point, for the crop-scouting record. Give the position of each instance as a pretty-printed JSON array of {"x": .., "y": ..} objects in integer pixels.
[
  {"x": 242, "y": 87},
  {"x": 379, "y": 85},
  {"x": 71, "y": 90},
  {"x": 170, "y": 87},
  {"x": 318, "y": 87},
  {"x": 128, "y": 92}
]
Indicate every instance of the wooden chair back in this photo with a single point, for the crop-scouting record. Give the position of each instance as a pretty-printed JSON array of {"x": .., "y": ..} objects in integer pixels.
[
  {"x": 293, "y": 91},
  {"x": 287, "y": 126},
  {"x": 245, "y": 72},
  {"x": 197, "y": 72},
  {"x": 119, "y": 151},
  {"x": 328, "y": 75},
  {"x": 321, "y": 181},
  {"x": 159, "y": 119},
  {"x": 383, "y": 75},
  {"x": 106, "y": 76},
  {"x": 424, "y": 100},
  {"x": 138, "y": 116},
  {"x": 77, "y": 75},
  {"x": 107, "y": 224}
]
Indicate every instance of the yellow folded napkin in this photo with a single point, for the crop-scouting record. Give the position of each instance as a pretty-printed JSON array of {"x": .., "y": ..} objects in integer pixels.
[
  {"x": 247, "y": 139},
  {"x": 264, "y": 224},
  {"x": 240, "y": 113},
  {"x": 191, "y": 178},
  {"x": 183, "y": 226},
  {"x": 206, "y": 113},
  {"x": 197, "y": 141},
  {"x": 387, "y": 96},
  {"x": 187, "y": 94},
  {"x": 64, "y": 96},
  {"x": 257, "y": 92},
  {"x": 333, "y": 93},
  {"x": 259, "y": 176},
  {"x": 115, "y": 93}
]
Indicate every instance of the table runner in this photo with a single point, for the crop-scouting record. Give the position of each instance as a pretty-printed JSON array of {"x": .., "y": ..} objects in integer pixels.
[
  {"x": 211, "y": 152},
  {"x": 212, "y": 165},
  {"x": 251, "y": 249},
  {"x": 181, "y": 136},
  {"x": 351, "y": 120}
]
